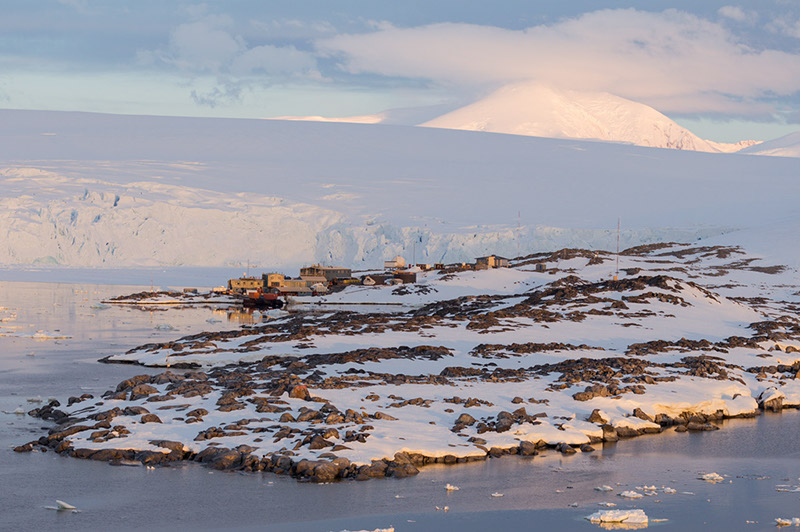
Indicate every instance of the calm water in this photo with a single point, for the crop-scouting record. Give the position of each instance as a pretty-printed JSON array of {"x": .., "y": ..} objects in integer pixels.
[{"x": 537, "y": 492}]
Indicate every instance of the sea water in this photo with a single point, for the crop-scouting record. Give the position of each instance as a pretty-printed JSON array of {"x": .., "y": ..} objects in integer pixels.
[{"x": 548, "y": 492}]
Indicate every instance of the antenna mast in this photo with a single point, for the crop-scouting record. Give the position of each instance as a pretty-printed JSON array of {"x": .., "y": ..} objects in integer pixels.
[{"x": 616, "y": 276}]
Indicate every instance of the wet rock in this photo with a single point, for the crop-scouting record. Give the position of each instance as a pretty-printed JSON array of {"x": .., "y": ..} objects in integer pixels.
[
  {"x": 565, "y": 448},
  {"x": 527, "y": 448},
  {"x": 626, "y": 432},
  {"x": 586, "y": 448},
  {"x": 26, "y": 448},
  {"x": 609, "y": 433}
]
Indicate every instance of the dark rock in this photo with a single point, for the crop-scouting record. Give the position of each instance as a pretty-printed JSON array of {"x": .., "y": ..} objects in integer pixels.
[
  {"x": 609, "y": 433},
  {"x": 586, "y": 448},
  {"x": 300, "y": 392},
  {"x": 150, "y": 418},
  {"x": 135, "y": 411},
  {"x": 597, "y": 417},
  {"x": 638, "y": 412},
  {"x": 141, "y": 390},
  {"x": 527, "y": 448},
  {"x": 626, "y": 432},
  {"x": 28, "y": 447},
  {"x": 565, "y": 448}
]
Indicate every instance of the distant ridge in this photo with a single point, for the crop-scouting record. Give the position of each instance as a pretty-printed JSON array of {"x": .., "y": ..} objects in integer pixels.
[
  {"x": 786, "y": 146},
  {"x": 538, "y": 110}
]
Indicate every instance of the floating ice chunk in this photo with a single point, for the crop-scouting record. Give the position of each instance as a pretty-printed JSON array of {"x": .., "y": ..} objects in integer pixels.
[
  {"x": 573, "y": 505},
  {"x": 62, "y": 506},
  {"x": 606, "y": 504},
  {"x": 669, "y": 490},
  {"x": 19, "y": 412},
  {"x": 443, "y": 509},
  {"x": 711, "y": 477},
  {"x": 604, "y": 488},
  {"x": 788, "y": 489},
  {"x": 497, "y": 494},
  {"x": 630, "y": 494},
  {"x": 450, "y": 487},
  {"x": 779, "y": 521},
  {"x": 164, "y": 327},
  {"x": 100, "y": 306},
  {"x": 36, "y": 399},
  {"x": 646, "y": 488},
  {"x": 629, "y": 517}
]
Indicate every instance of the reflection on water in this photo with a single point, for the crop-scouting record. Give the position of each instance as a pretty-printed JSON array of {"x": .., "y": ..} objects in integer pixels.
[{"x": 755, "y": 457}]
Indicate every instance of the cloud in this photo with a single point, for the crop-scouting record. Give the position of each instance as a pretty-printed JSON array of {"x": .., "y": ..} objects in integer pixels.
[
  {"x": 673, "y": 60},
  {"x": 209, "y": 45},
  {"x": 735, "y": 13}
]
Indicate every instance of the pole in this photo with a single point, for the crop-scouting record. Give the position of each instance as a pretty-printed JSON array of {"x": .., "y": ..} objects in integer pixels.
[{"x": 616, "y": 276}]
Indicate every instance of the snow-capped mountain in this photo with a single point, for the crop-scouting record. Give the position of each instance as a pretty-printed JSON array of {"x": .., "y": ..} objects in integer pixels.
[
  {"x": 786, "y": 146},
  {"x": 106, "y": 190},
  {"x": 541, "y": 111}
]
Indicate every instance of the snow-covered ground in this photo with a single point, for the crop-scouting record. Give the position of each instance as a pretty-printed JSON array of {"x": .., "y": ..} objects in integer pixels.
[
  {"x": 131, "y": 191},
  {"x": 474, "y": 364}
]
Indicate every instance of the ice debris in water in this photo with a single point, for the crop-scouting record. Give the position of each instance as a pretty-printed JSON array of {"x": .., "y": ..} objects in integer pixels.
[
  {"x": 629, "y": 517},
  {"x": 606, "y": 504},
  {"x": 604, "y": 488},
  {"x": 62, "y": 506},
  {"x": 445, "y": 509},
  {"x": 631, "y": 494},
  {"x": 450, "y": 487},
  {"x": 669, "y": 490},
  {"x": 497, "y": 494},
  {"x": 780, "y": 521},
  {"x": 712, "y": 477},
  {"x": 164, "y": 327}
]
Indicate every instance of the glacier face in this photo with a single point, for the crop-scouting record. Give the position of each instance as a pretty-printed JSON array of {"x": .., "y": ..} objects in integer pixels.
[{"x": 116, "y": 191}]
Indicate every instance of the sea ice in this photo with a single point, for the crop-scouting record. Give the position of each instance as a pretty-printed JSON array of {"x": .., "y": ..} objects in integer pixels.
[
  {"x": 618, "y": 516},
  {"x": 450, "y": 487},
  {"x": 711, "y": 477},
  {"x": 604, "y": 488},
  {"x": 631, "y": 495}
]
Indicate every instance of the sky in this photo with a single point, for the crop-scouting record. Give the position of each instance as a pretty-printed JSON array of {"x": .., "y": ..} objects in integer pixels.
[{"x": 727, "y": 71}]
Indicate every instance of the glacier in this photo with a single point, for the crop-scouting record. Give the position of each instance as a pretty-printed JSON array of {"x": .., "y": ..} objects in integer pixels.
[{"x": 93, "y": 190}]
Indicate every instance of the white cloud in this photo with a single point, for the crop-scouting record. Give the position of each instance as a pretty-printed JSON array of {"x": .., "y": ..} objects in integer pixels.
[
  {"x": 210, "y": 45},
  {"x": 734, "y": 13},
  {"x": 672, "y": 60}
]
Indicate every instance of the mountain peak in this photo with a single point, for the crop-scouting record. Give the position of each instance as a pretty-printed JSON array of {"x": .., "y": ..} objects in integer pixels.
[{"x": 533, "y": 109}]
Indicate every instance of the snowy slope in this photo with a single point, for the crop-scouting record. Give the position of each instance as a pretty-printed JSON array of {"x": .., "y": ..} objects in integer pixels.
[
  {"x": 786, "y": 146},
  {"x": 222, "y": 192},
  {"x": 541, "y": 111}
]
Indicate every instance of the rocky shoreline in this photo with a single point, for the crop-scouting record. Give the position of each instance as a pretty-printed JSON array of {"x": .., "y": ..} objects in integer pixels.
[{"x": 563, "y": 361}]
